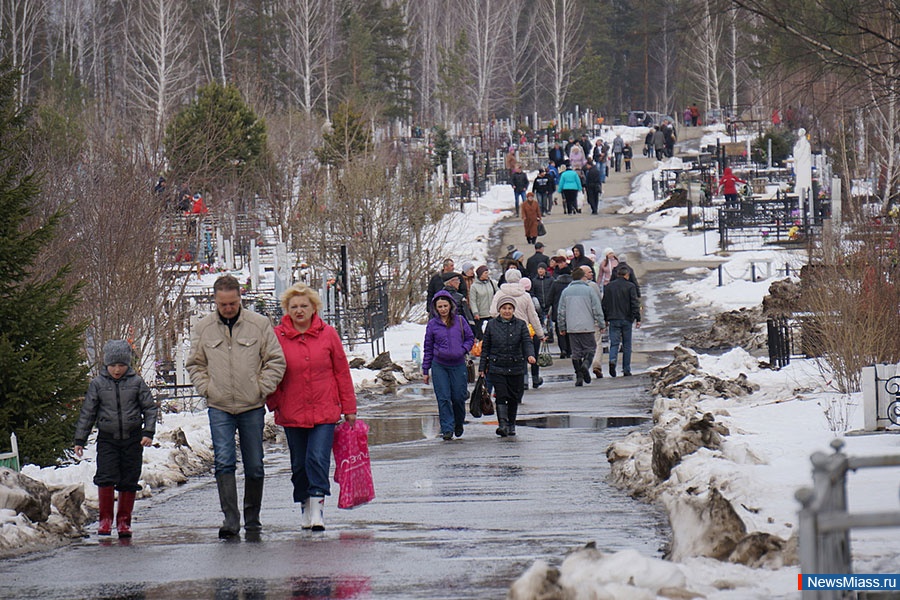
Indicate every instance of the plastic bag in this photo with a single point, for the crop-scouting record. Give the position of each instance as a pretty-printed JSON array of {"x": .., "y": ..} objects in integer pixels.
[
  {"x": 353, "y": 471},
  {"x": 544, "y": 358}
]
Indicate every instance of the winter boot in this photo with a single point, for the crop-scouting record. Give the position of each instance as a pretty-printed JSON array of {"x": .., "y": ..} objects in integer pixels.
[
  {"x": 612, "y": 369},
  {"x": 537, "y": 382},
  {"x": 253, "y": 489},
  {"x": 106, "y": 495},
  {"x": 227, "y": 485},
  {"x": 511, "y": 411},
  {"x": 123, "y": 514},
  {"x": 586, "y": 366},
  {"x": 305, "y": 515},
  {"x": 503, "y": 419},
  {"x": 316, "y": 508},
  {"x": 579, "y": 372}
]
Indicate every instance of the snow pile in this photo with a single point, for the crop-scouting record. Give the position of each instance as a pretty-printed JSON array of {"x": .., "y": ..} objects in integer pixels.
[{"x": 591, "y": 574}]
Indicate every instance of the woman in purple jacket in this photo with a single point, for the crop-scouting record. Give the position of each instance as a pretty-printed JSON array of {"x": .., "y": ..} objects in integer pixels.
[{"x": 448, "y": 338}]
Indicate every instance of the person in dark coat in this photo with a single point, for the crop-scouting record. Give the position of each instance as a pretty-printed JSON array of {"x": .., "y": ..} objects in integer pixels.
[
  {"x": 622, "y": 309},
  {"x": 544, "y": 186},
  {"x": 556, "y": 154},
  {"x": 534, "y": 260},
  {"x": 594, "y": 186},
  {"x": 519, "y": 182},
  {"x": 631, "y": 276},
  {"x": 452, "y": 284},
  {"x": 120, "y": 403},
  {"x": 542, "y": 288},
  {"x": 436, "y": 283},
  {"x": 579, "y": 259},
  {"x": 515, "y": 262},
  {"x": 562, "y": 279},
  {"x": 506, "y": 351}
]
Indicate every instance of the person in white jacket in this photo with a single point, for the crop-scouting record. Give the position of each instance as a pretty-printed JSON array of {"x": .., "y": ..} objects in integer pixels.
[{"x": 524, "y": 306}]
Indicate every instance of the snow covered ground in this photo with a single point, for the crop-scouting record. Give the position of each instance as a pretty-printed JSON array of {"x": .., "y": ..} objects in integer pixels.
[{"x": 762, "y": 463}]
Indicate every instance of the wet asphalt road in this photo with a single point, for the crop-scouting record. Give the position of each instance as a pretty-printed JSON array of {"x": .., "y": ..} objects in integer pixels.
[
  {"x": 453, "y": 520},
  {"x": 458, "y": 519}
]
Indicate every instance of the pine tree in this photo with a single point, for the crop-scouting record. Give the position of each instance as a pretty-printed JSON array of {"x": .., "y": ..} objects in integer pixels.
[
  {"x": 217, "y": 139},
  {"x": 42, "y": 371},
  {"x": 350, "y": 136}
]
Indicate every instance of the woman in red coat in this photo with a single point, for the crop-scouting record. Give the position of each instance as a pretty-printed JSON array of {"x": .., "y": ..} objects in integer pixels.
[
  {"x": 531, "y": 216},
  {"x": 308, "y": 403},
  {"x": 728, "y": 186}
]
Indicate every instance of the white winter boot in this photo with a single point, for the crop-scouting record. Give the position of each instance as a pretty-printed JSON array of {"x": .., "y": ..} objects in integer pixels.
[
  {"x": 305, "y": 515},
  {"x": 316, "y": 507}
]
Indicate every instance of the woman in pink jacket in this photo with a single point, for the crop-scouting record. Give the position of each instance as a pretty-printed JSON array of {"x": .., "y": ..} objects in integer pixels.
[{"x": 308, "y": 403}]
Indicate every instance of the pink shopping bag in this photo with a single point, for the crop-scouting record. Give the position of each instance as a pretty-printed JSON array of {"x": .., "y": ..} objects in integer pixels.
[{"x": 353, "y": 472}]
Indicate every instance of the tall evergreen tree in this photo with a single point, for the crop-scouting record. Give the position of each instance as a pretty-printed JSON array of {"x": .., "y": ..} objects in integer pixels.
[{"x": 42, "y": 371}]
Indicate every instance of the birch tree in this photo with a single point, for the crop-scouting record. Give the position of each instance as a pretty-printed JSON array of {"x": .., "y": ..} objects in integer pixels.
[
  {"x": 219, "y": 18},
  {"x": 157, "y": 40},
  {"x": 303, "y": 53},
  {"x": 558, "y": 32},
  {"x": 19, "y": 24},
  {"x": 487, "y": 24}
]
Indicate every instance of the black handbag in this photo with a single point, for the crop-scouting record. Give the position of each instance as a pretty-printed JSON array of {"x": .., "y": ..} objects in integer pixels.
[
  {"x": 541, "y": 229},
  {"x": 480, "y": 403}
]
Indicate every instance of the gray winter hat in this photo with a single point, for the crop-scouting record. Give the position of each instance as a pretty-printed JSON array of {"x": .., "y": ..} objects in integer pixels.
[{"x": 117, "y": 352}]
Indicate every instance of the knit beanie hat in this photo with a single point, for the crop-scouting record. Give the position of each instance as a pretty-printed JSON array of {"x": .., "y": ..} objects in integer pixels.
[
  {"x": 117, "y": 352},
  {"x": 466, "y": 266},
  {"x": 513, "y": 276},
  {"x": 607, "y": 252},
  {"x": 517, "y": 255},
  {"x": 525, "y": 283},
  {"x": 480, "y": 270},
  {"x": 505, "y": 299}
]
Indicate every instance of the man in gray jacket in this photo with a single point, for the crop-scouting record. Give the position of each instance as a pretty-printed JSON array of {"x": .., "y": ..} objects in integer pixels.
[
  {"x": 579, "y": 313},
  {"x": 235, "y": 362}
]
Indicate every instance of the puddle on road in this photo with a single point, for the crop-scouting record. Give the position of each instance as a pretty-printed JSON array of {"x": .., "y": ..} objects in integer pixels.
[
  {"x": 393, "y": 430},
  {"x": 580, "y": 422}
]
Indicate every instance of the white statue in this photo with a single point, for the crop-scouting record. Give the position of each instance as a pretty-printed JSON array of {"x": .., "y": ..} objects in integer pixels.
[{"x": 802, "y": 168}]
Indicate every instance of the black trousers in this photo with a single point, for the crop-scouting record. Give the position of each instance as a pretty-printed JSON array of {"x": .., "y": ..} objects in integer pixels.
[
  {"x": 119, "y": 463},
  {"x": 509, "y": 389}
]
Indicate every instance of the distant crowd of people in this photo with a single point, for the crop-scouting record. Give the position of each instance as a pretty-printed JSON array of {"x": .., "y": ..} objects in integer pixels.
[
  {"x": 567, "y": 296},
  {"x": 574, "y": 172}
]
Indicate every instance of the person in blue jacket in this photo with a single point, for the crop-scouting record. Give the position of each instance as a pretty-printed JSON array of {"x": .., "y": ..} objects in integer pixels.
[
  {"x": 448, "y": 339},
  {"x": 569, "y": 185}
]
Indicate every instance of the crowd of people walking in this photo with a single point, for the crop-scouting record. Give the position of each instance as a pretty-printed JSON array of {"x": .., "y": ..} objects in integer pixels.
[{"x": 569, "y": 296}]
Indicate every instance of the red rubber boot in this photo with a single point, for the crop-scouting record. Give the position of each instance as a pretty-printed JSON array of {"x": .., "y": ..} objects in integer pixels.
[
  {"x": 123, "y": 517},
  {"x": 107, "y": 499}
]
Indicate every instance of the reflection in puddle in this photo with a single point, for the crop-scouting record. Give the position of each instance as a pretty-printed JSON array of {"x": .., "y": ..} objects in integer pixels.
[
  {"x": 581, "y": 422},
  {"x": 392, "y": 430},
  {"x": 327, "y": 587}
]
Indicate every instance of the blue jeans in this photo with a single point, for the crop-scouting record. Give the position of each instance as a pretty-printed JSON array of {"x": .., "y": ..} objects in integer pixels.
[
  {"x": 310, "y": 459},
  {"x": 620, "y": 333},
  {"x": 450, "y": 387},
  {"x": 249, "y": 425},
  {"x": 520, "y": 196}
]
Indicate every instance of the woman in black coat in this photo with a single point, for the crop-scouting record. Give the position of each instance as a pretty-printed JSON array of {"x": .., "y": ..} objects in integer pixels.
[{"x": 506, "y": 350}]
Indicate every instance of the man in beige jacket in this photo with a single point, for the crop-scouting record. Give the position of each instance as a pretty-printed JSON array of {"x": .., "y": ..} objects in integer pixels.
[{"x": 235, "y": 363}]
